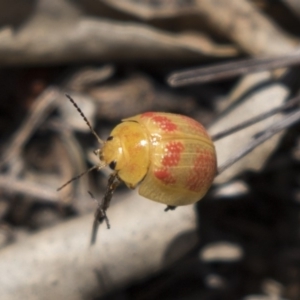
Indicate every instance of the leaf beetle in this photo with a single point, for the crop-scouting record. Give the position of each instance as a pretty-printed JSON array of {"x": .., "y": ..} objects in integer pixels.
[{"x": 171, "y": 157}]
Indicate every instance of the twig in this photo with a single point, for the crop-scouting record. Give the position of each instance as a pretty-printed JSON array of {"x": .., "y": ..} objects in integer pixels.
[
  {"x": 232, "y": 69},
  {"x": 288, "y": 121},
  {"x": 43, "y": 105},
  {"x": 254, "y": 120},
  {"x": 85, "y": 77},
  {"x": 25, "y": 187}
]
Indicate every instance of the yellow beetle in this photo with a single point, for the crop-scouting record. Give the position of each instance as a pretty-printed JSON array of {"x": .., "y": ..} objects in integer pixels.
[{"x": 171, "y": 156}]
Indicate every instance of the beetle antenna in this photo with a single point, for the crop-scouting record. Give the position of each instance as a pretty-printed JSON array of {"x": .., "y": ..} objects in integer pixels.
[
  {"x": 85, "y": 119},
  {"x": 78, "y": 176}
]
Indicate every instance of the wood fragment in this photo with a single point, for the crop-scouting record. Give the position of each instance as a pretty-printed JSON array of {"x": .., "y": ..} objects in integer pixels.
[
  {"x": 249, "y": 28},
  {"x": 90, "y": 39},
  {"x": 44, "y": 104},
  {"x": 239, "y": 21},
  {"x": 13, "y": 185}
]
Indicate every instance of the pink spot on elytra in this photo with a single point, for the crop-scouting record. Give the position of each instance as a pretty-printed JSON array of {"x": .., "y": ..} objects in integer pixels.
[
  {"x": 202, "y": 172},
  {"x": 164, "y": 175},
  {"x": 173, "y": 153},
  {"x": 148, "y": 114},
  {"x": 163, "y": 122}
]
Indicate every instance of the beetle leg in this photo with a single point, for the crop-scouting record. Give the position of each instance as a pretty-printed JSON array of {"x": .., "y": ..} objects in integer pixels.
[
  {"x": 100, "y": 213},
  {"x": 170, "y": 207}
]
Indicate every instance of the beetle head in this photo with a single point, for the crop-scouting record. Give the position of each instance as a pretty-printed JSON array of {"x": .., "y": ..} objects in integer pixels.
[{"x": 111, "y": 153}]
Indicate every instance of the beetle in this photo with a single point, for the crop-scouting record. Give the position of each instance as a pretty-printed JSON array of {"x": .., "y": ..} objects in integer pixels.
[{"x": 170, "y": 156}]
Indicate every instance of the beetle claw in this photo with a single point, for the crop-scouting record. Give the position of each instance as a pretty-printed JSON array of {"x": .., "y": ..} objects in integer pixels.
[
  {"x": 101, "y": 216},
  {"x": 100, "y": 213},
  {"x": 170, "y": 207}
]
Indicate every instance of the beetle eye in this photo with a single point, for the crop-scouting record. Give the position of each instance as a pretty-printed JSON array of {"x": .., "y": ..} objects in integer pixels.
[
  {"x": 113, "y": 164},
  {"x": 110, "y": 138}
]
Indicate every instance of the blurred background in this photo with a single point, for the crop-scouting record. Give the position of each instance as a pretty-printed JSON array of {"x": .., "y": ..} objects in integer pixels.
[{"x": 242, "y": 241}]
